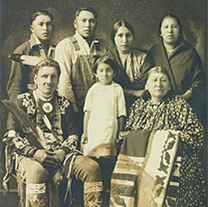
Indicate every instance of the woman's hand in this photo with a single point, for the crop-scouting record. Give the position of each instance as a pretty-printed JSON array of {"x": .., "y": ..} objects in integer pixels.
[{"x": 187, "y": 95}]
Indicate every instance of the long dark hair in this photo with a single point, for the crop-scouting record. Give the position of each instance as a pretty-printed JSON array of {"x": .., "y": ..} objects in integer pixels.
[
  {"x": 119, "y": 24},
  {"x": 181, "y": 37}
]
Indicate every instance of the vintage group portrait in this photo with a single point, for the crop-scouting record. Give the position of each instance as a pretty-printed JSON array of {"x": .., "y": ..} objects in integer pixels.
[{"x": 103, "y": 103}]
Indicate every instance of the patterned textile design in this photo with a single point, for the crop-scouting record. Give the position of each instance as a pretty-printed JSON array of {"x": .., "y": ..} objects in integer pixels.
[
  {"x": 60, "y": 105},
  {"x": 36, "y": 188},
  {"x": 71, "y": 142},
  {"x": 193, "y": 185},
  {"x": 92, "y": 194},
  {"x": 36, "y": 200},
  {"x": 63, "y": 104},
  {"x": 128, "y": 168},
  {"x": 159, "y": 159},
  {"x": 20, "y": 142},
  {"x": 176, "y": 114},
  {"x": 123, "y": 182},
  {"x": 28, "y": 103},
  {"x": 55, "y": 127},
  {"x": 141, "y": 176},
  {"x": 51, "y": 194},
  {"x": 36, "y": 195},
  {"x": 170, "y": 200}
]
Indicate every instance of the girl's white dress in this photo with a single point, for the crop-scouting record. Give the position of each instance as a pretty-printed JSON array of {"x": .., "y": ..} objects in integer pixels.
[{"x": 106, "y": 103}]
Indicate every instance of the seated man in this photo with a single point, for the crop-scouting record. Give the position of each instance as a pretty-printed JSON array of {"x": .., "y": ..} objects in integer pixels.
[{"x": 44, "y": 161}]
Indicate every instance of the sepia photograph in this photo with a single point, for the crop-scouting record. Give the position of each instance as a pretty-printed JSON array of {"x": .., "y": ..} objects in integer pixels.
[{"x": 103, "y": 103}]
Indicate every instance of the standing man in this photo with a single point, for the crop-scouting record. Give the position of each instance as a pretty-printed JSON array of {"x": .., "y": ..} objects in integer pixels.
[
  {"x": 39, "y": 45},
  {"x": 76, "y": 55}
]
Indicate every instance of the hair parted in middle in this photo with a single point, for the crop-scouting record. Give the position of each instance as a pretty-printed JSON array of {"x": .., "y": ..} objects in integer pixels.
[
  {"x": 119, "y": 24},
  {"x": 181, "y": 37},
  {"x": 47, "y": 62},
  {"x": 107, "y": 60},
  {"x": 158, "y": 69}
]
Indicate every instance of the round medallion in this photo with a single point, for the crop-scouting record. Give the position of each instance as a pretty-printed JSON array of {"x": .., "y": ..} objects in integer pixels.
[{"x": 47, "y": 107}]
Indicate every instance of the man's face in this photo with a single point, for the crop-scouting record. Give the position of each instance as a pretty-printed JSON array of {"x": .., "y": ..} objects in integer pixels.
[
  {"x": 47, "y": 80},
  {"x": 42, "y": 27},
  {"x": 85, "y": 24}
]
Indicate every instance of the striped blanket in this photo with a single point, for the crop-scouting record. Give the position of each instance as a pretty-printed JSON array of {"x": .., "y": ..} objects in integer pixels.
[{"x": 142, "y": 171}]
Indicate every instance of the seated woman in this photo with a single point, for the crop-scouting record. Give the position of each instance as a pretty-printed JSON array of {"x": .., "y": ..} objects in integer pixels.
[
  {"x": 183, "y": 181},
  {"x": 128, "y": 59},
  {"x": 181, "y": 60}
]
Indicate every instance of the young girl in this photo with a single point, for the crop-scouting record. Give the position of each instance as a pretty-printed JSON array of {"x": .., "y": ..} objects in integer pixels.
[
  {"x": 104, "y": 113},
  {"x": 104, "y": 109}
]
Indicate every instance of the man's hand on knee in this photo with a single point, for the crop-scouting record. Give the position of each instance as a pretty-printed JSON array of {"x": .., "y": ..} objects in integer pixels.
[
  {"x": 59, "y": 156},
  {"x": 46, "y": 157}
]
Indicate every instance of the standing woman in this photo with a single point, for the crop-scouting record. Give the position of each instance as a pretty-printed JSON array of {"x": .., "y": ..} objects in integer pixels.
[
  {"x": 180, "y": 58},
  {"x": 128, "y": 59}
]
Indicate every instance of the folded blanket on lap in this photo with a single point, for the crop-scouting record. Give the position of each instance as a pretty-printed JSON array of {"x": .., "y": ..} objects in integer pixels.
[{"x": 143, "y": 169}]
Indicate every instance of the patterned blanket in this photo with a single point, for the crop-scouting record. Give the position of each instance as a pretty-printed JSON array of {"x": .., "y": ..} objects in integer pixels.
[{"x": 142, "y": 171}]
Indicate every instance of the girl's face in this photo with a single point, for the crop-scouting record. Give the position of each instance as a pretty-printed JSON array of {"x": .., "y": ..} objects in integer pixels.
[
  {"x": 123, "y": 39},
  {"x": 170, "y": 31},
  {"x": 105, "y": 74}
]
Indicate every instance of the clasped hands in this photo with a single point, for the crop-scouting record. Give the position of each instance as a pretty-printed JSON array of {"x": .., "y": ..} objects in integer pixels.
[{"x": 50, "y": 158}]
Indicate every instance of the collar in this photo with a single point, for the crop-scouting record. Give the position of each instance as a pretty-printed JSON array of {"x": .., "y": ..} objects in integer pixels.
[
  {"x": 80, "y": 38},
  {"x": 34, "y": 41},
  {"x": 181, "y": 44},
  {"x": 37, "y": 94}
]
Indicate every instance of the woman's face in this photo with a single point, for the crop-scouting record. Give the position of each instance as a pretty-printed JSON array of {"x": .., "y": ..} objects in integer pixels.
[
  {"x": 170, "y": 31},
  {"x": 123, "y": 39},
  {"x": 158, "y": 85}
]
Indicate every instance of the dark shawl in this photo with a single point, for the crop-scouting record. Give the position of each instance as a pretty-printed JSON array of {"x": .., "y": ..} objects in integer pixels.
[{"x": 184, "y": 66}]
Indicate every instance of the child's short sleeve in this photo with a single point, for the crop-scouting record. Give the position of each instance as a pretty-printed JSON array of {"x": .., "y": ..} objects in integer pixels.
[
  {"x": 121, "y": 102},
  {"x": 88, "y": 100}
]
